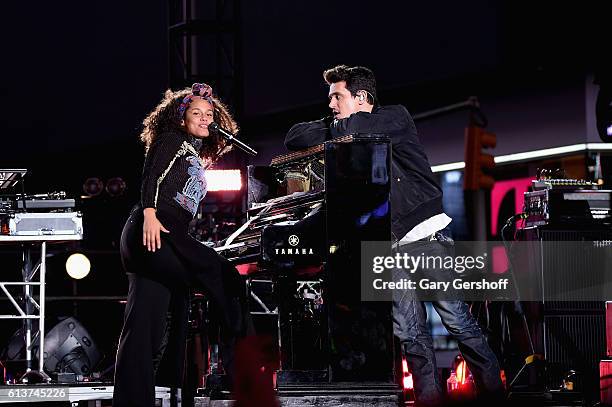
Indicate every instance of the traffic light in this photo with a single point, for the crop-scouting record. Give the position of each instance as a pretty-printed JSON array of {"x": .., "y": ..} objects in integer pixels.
[{"x": 476, "y": 138}]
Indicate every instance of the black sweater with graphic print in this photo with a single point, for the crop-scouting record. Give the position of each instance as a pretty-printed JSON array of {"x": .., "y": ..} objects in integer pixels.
[{"x": 173, "y": 180}]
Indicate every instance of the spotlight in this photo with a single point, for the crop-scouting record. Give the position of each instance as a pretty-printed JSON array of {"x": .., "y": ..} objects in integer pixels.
[
  {"x": 223, "y": 180},
  {"x": 70, "y": 349},
  {"x": 78, "y": 266},
  {"x": 452, "y": 177},
  {"x": 93, "y": 186},
  {"x": 462, "y": 372},
  {"x": 461, "y": 382},
  {"x": 115, "y": 186},
  {"x": 407, "y": 382}
]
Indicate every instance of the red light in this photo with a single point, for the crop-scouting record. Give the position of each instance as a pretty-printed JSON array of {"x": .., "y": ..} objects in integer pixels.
[
  {"x": 408, "y": 384},
  {"x": 223, "y": 180},
  {"x": 461, "y": 372},
  {"x": 460, "y": 383}
]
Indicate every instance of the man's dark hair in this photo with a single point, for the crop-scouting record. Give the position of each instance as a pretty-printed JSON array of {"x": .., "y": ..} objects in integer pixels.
[{"x": 356, "y": 77}]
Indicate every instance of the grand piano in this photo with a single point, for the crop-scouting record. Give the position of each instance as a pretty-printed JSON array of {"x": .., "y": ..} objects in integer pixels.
[{"x": 308, "y": 212}]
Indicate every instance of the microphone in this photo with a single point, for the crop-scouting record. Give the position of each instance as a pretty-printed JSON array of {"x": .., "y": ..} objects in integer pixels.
[{"x": 231, "y": 139}]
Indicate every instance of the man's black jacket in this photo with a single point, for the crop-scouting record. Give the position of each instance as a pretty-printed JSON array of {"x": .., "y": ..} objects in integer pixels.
[{"x": 415, "y": 194}]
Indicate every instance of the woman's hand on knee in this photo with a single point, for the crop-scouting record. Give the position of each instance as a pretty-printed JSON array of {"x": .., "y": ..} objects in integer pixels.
[{"x": 151, "y": 230}]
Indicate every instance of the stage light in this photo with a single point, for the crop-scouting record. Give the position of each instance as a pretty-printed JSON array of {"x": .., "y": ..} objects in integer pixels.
[
  {"x": 460, "y": 383},
  {"x": 93, "y": 186},
  {"x": 78, "y": 266},
  {"x": 547, "y": 152},
  {"x": 69, "y": 348},
  {"x": 223, "y": 180},
  {"x": 462, "y": 373},
  {"x": 115, "y": 186},
  {"x": 448, "y": 167},
  {"x": 530, "y": 155},
  {"x": 407, "y": 382},
  {"x": 452, "y": 177}
]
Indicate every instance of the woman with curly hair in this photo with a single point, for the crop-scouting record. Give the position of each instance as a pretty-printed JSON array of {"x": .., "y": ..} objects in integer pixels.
[{"x": 161, "y": 259}]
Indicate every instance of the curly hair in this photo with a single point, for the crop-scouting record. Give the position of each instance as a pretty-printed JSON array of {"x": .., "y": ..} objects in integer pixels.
[{"x": 166, "y": 118}]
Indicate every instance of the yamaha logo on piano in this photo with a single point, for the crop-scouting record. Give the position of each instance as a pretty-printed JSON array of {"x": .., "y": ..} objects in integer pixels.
[{"x": 294, "y": 240}]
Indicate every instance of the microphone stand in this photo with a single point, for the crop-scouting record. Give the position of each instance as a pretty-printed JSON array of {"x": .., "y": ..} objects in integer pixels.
[{"x": 231, "y": 139}]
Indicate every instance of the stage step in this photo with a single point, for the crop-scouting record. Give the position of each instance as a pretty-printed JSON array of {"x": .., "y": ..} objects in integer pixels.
[
  {"x": 319, "y": 401},
  {"x": 207, "y": 402},
  {"x": 327, "y": 395}
]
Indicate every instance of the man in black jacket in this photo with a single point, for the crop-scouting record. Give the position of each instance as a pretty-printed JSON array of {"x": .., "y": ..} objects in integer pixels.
[{"x": 416, "y": 214}]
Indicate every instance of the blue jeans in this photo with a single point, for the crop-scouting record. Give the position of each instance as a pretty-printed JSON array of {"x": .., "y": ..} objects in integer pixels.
[{"x": 410, "y": 326}]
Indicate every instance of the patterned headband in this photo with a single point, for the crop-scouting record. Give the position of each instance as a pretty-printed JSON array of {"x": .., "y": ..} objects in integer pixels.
[{"x": 201, "y": 90}]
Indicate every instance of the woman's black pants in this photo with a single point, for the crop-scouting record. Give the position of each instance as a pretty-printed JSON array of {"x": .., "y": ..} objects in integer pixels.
[{"x": 152, "y": 343}]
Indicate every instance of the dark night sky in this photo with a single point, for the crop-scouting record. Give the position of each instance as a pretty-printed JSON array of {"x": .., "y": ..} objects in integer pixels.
[
  {"x": 405, "y": 44},
  {"x": 80, "y": 73}
]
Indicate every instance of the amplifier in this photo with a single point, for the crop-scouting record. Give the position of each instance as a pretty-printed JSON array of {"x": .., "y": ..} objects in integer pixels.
[
  {"x": 570, "y": 334},
  {"x": 53, "y": 201},
  {"x": 566, "y": 206},
  {"x": 39, "y": 224},
  {"x": 45, "y": 204}
]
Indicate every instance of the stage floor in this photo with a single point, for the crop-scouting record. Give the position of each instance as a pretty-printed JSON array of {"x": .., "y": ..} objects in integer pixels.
[{"x": 89, "y": 394}]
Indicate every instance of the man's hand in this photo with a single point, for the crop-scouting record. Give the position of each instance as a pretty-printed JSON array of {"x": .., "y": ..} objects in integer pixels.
[{"x": 151, "y": 227}]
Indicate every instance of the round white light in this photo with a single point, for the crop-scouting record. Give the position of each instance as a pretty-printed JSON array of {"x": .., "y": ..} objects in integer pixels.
[{"x": 78, "y": 266}]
